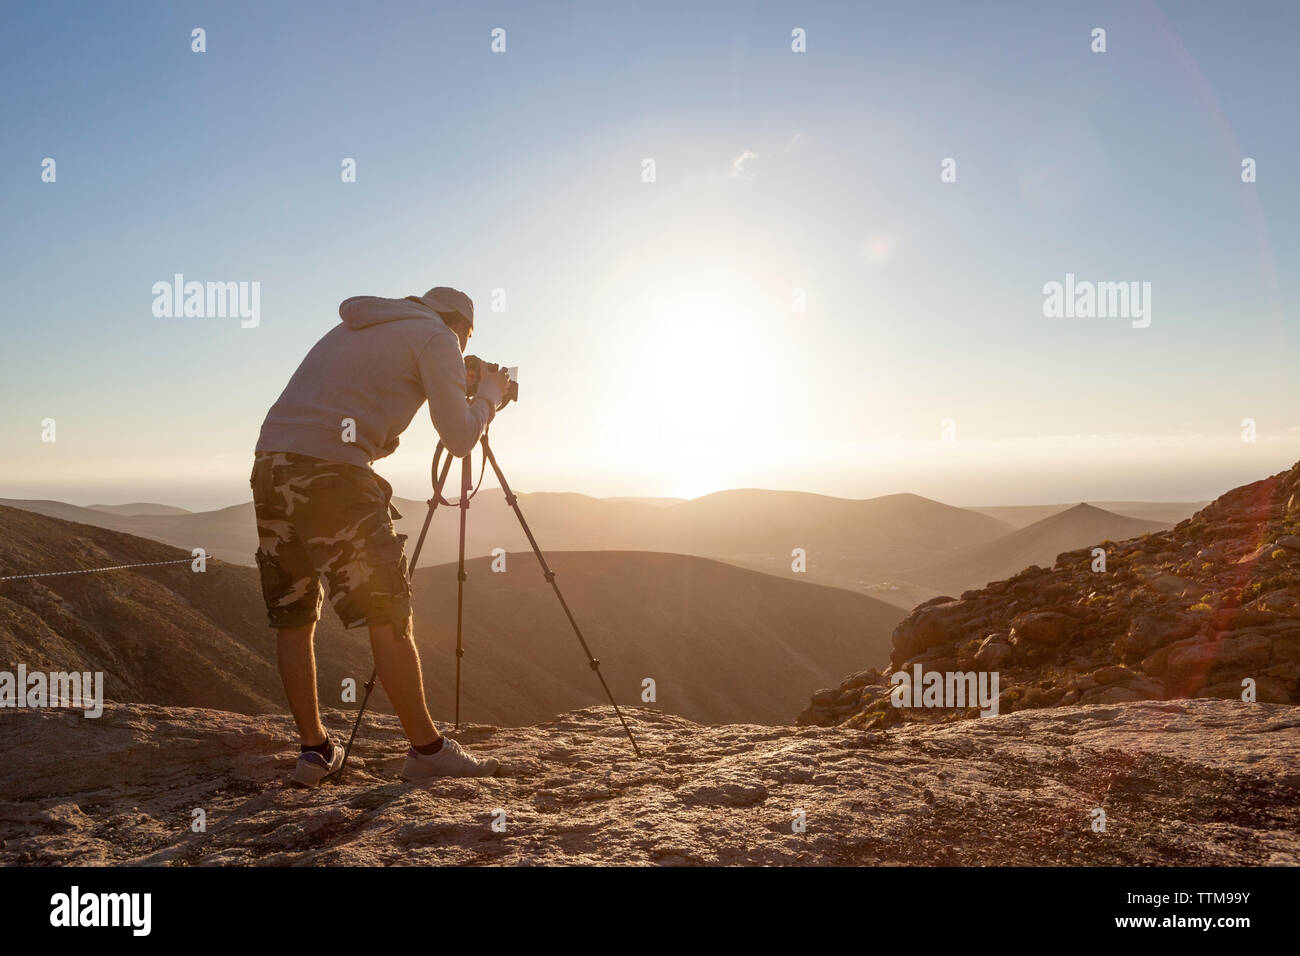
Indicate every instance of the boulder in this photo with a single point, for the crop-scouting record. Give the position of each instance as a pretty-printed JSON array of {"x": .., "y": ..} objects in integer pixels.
[
  {"x": 1268, "y": 690},
  {"x": 1042, "y": 627},
  {"x": 1263, "y": 551},
  {"x": 1244, "y": 651},
  {"x": 1142, "y": 688},
  {"x": 1150, "y": 630},
  {"x": 993, "y": 654},
  {"x": 1225, "y": 653},
  {"x": 927, "y": 627},
  {"x": 1287, "y": 646},
  {"x": 1112, "y": 674}
]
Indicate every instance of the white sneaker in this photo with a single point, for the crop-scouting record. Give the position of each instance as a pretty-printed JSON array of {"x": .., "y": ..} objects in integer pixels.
[
  {"x": 313, "y": 768},
  {"x": 452, "y": 760}
]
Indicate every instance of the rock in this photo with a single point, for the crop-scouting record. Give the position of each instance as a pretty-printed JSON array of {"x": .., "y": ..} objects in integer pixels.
[
  {"x": 704, "y": 795},
  {"x": 1289, "y": 541},
  {"x": 1259, "y": 554},
  {"x": 1149, "y": 630},
  {"x": 860, "y": 679},
  {"x": 993, "y": 654},
  {"x": 1171, "y": 584},
  {"x": 1268, "y": 690},
  {"x": 1278, "y": 601},
  {"x": 1043, "y": 627},
  {"x": 1287, "y": 646},
  {"x": 1244, "y": 651},
  {"x": 1285, "y": 671},
  {"x": 1139, "y": 689},
  {"x": 1191, "y": 656},
  {"x": 1112, "y": 674},
  {"x": 927, "y": 627},
  {"x": 1225, "y": 653}
]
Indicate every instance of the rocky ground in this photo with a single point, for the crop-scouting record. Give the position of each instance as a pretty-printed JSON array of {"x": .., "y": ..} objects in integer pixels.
[
  {"x": 1188, "y": 782},
  {"x": 1189, "y": 612}
]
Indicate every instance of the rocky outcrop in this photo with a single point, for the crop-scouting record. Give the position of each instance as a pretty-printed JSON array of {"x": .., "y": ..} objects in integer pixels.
[
  {"x": 1194, "y": 611},
  {"x": 1194, "y": 783}
]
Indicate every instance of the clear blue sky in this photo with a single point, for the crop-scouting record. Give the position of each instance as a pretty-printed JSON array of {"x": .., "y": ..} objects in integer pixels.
[{"x": 653, "y": 322}]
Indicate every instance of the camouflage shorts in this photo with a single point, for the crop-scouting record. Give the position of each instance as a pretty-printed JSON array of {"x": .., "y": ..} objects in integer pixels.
[{"x": 332, "y": 522}]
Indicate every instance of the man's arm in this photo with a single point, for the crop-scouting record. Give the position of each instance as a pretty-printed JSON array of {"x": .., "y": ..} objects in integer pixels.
[{"x": 442, "y": 372}]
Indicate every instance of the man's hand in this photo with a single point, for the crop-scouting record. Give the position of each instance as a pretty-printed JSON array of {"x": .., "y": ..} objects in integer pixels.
[{"x": 493, "y": 385}]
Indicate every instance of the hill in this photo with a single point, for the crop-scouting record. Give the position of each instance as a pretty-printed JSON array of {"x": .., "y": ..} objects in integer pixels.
[
  {"x": 1161, "y": 512},
  {"x": 1206, "y": 609},
  {"x": 1038, "y": 543},
  {"x": 853, "y": 544},
  {"x": 1174, "y": 780},
  {"x": 137, "y": 508},
  {"x": 161, "y": 635},
  {"x": 721, "y": 643}
]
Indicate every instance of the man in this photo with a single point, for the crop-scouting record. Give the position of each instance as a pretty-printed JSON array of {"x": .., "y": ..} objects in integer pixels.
[{"x": 324, "y": 516}]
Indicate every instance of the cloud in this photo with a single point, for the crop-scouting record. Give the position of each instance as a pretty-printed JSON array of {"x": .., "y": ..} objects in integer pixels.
[
  {"x": 795, "y": 141},
  {"x": 739, "y": 170}
]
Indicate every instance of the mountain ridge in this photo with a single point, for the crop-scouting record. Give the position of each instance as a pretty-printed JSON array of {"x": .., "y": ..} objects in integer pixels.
[
  {"x": 1209, "y": 608},
  {"x": 167, "y": 635}
]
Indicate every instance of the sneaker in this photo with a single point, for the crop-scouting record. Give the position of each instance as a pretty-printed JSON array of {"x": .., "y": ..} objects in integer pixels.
[
  {"x": 451, "y": 761},
  {"x": 313, "y": 768}
]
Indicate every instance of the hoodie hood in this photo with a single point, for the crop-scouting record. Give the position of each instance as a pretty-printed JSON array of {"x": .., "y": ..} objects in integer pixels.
[{"x": 362, "y": 311}]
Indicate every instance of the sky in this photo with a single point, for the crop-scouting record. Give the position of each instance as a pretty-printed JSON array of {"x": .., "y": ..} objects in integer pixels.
[{"x": 796, "y": 300}]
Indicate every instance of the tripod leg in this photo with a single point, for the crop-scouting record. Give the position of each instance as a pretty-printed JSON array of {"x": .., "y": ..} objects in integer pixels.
[
  {"x": 592, "y": 662},
  {"x": 428, "y": 518},
  {"x": 466, "y": 479},
  {"x": 410, "y": 574}
]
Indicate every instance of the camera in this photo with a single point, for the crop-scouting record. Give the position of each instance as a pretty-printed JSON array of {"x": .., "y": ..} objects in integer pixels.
[{"x": 474, "y": 369}]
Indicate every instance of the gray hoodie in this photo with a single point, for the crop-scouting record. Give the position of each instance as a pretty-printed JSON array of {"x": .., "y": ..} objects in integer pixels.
[{"x": 377, "y": 368}]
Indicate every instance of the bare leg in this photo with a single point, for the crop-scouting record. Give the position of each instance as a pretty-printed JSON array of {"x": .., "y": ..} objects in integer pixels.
[
  {"x": 398, "y": 664},
  {"x": 298, "y": 674}
]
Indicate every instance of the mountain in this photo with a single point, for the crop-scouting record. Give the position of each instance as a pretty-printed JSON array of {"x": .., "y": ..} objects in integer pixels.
[
  {"x": 720, "y": 642},
  {"x": 137, "y": 508},
  {"x": 1162, "y": 512},
  {"x": 853, "y": 544},
  {"x": 1039, "y": 543},
  {"x": 229, "y": 534},
  {"x": 161, "y": 635},
  {"x": 1210, "y": 608},
  {"x": 1177, "y": 783}
]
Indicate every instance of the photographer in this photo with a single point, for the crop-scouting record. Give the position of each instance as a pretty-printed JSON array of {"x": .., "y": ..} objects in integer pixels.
[{"x": 324, "y": 516}]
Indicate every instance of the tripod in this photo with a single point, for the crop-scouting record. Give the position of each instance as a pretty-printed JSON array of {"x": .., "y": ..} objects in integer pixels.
[{"x": 466, "y": 477}]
